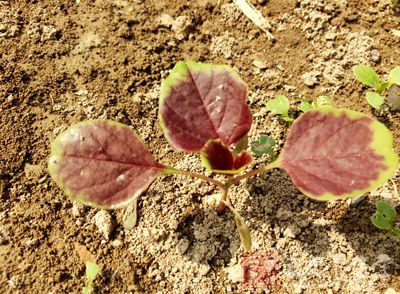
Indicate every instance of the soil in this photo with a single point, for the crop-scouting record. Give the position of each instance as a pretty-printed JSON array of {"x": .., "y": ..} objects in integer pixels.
[{"x": 62, "y": 62}]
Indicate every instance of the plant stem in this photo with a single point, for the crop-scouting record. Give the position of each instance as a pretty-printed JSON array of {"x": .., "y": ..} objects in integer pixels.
[
  {"x": 172, "y": 170},
  {"x": 262, "y": 169}
]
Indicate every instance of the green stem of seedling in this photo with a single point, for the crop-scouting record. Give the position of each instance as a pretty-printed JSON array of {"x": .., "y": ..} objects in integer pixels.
[
  {"x": 172, "y": 170},
  {"x": 262, "y": 169}
]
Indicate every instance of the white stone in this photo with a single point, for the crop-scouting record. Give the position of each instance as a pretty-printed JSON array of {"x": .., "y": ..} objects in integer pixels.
[
  {"x": 235, "y": 273},
  {"x": 340, "y": 258},
  {"x": 104, "y": 223}
]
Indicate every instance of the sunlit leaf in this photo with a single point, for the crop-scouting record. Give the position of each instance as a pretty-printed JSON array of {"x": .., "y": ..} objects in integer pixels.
[
  {"x": 367, "y": 75},
  {"x": 280, "y": 105},
  {"x": 305, "y": 105},
  {"x": 102, "y": 163},
  {"x": 335, "y": 153},
  {"x": 375, "y": 100},
  {"x": 394, "y": 75},
  {"x": 199, "y": 102},
  {"x": 92, "y": 270}
]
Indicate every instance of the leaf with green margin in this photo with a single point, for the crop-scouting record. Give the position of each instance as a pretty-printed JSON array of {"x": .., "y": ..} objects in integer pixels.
[
  {"x": 102, "y": 163},
  {"x": 333, "y": 153},
  {"x": 374, "y": 99},
  {"x": 200, "y": 102},
  {"x": 394, "y": 76},
  {"x": 367, "y": 75},
  {"x": 218, "y": 158},
  {"x": 280, "y": 105},
  {"x": 263, "y": 146}
]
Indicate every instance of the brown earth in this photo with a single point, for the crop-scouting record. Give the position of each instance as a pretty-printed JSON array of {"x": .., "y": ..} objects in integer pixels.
[{"x": 65, "y": 61}]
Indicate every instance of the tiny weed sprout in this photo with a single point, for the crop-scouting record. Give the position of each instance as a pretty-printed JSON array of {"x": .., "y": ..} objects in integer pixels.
[
  {"x": 263, "y": 146},
  {"x": 92, "y": 270},
  {"x": 368, "y": 76},
  {"x": 308, "y": 104},
  {"x": 329, "y": 153},
  {"x": 280, "y": 105},
  {"x": 384, "y": 218}
]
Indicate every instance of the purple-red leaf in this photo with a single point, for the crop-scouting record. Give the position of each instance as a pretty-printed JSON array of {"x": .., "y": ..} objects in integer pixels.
[
  {"x": 217, "y": 157},
  {"x": 199, "y": 102},
  {"x": 335, "y": 153},
  {"x": 102, "y": 163}
]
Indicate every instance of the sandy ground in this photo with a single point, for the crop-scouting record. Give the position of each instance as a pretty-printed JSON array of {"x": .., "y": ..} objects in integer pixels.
[{"x": 65, "y": 61}]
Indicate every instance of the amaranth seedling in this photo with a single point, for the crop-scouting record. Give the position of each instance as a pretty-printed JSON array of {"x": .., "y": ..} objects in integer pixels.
[{"x": 329, "y": 153}]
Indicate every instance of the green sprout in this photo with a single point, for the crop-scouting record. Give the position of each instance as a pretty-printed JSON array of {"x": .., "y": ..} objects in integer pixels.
[
  {"x": 280, "y": 105},
  {"x": 263, "y": 146},
  {"x": 92, "y": 270},
  {"x": 368, "y": 76},
  {"x": 384, "y": 218},
  {"x": 308, "y": 104}
]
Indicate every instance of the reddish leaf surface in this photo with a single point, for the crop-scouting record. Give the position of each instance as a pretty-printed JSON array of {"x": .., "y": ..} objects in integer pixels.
[
  {"x": 219, "y": 158},
  {"x": 199, "y": 102},
  {"x": 332, "y": 153},
  {"x": 102, "y": 163}
]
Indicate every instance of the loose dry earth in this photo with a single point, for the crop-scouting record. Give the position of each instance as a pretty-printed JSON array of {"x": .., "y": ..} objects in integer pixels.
[{"x": 65, "y": 61}]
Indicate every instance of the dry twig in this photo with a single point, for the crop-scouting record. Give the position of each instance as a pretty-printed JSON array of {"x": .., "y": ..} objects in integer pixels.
[{"x": 255, "y": 16}]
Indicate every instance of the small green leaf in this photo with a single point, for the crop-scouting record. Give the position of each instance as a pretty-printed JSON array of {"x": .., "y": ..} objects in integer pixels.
[
  {"x": 263, "y": 146},
  {"x": 305, "y": 105},
  {"x": 322, "y": 100},
  {"x": 394, "y": 75},
  {"x": 382, "y": 87},
  {"x": 387, "y": 210},
  {"x": 279, "y": 105},
  {"x": 367, "y": 75},
  {"x": 92, "y": 270},
  {"x": 384, "y": 216},
  {"x": 374, "y": 99}
]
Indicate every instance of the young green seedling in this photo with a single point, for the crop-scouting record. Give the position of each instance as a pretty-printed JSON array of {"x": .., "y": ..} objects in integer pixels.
[
  {"x": 263, "y": 146},
  {"x": 307, "y": 104},
  {"x": 384, "y": 218},
  {"x": 92, "y": 270},
  {"x": 280, "y": 105},
  {"x": 368, "y": 76},
  {"x": 329, "y": 153}
]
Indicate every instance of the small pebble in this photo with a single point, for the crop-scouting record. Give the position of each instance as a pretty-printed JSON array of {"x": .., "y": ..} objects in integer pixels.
[
  {"x": 259, "y": 64},
  {"x": 183, "y": 245},
  {"x": 375, "y": 56},
  {"x": 104, "y": 223},
  {"x": 340, "y": 258},
  {"x": 204, "y": 269}
]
